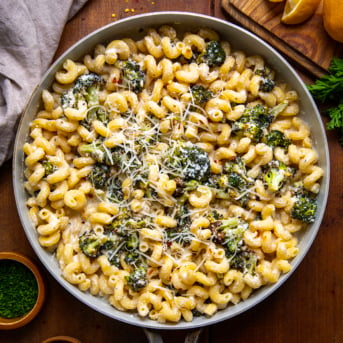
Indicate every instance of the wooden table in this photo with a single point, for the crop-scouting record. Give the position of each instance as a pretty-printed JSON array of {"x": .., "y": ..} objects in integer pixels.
[{"x": 308, "y": 308}]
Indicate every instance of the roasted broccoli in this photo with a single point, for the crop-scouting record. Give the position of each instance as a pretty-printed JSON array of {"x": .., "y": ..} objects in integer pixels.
[
  {"x": 86, "y": 88},
  {"x": 96, "y": 150},
  {"x": 187, "y": 161},
  {"x": 236, "y": 165},
  {"x": 95, "y": 113},
  {"x": 125, "y": 157},
  {"x": 214, "y": 216},
  {"x": 49, "y": 168},
  {"x": 133, "y": 258},
  {"x": 229, "y": 233},
  {"x": 132, "y": 241},
  {"x": 200, "y": 94},
  {"x": 89, "y": 86},
  {"x": 181, "y": 235},
  {"x": 244, "y": 261},
  {"x": 233, "y": 229},
  {"x": 275, "y": 174},
  {"x": 133, "y": 76},
  {"x": 267, "y": 84},
  {"x": 276, "y": 138},
  {"x": 137, "y": 279},
  {"x": 114, "y": 191},
  {"x": 182, "y": 215},
  {"x": 90, "y": 243},
  {"x": 110, "y": 247},
  {"x": 99, "y": 175},
  {"x": 305, "y": 206},
  {"x": 213, "y": 55},
  {"x": 255, "y": 121},
  {"x": 233, "y": 183},
  {"x": 183, "y": 188}
]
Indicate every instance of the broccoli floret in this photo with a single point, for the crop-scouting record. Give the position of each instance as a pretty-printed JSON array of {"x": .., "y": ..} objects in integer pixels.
[
  {"x": 95, "y": 149},
  {"x": 49, "y": 168},
  {"x": 252, "y": 123},
  {"x": 214, "y": 216},
  {"x": 230, "y": 234},
  {"x": 200, "y": 94},
  {"x": 233, "y": 183},
  {"x": 233, "y": 229},
  {"x": 132, "y": 241},
  {"x": 237, "y": 181},
  {"x": 255, "y": 121},
  {"x": 183, "y": 188},
  {"x": 267, "y": 83},
  {"x": 188, "y": 161},
  {"x": 180, "y": 235},
  {"x": 133, "y": 258},
  {"x": 244, "y": 261},
  {"x": 213, "y": 55},
  {"x": 137, "y": 279},
  {"x": 133, "y": 76},
  {"x": 276, "y": 138},
  {"x": 95, "y": 113},
  {"x": 276, "y": 174},
  {"x": 304, "y": 207},
  {"x": 125, "y": 157},
  {"x": 86, "y": 81},
  {"x": 68, "y": 99},
  {"x": 86, "y": 88},
  {"x": 182, "y": 215},
  {"x": 118, "y": 156},
  {"x": 90, "y": 243},
  {"x": 99, "y": 175},
  {"x": 110, "y": 248},
  {"x": 237, "y": 168},
  {"x": 114, "y": 191},
  {"x": 119, "y": 223}
]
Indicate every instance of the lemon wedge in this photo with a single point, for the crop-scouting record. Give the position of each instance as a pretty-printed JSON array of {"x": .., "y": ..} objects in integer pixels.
[{"x": 297, "y": 11}]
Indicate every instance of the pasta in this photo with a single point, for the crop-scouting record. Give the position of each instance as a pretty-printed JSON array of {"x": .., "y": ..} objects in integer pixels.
[{"x": 169, "y": 175}]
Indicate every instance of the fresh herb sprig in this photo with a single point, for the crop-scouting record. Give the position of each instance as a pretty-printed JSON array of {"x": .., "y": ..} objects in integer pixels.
[{"x": 329, "y": 88}]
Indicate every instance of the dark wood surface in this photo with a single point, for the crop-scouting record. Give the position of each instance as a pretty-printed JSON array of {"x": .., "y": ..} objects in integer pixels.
[{"x": 307, "y": 308}]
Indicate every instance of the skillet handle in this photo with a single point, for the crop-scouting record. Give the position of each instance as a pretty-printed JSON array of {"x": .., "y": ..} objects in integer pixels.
[{"x": 154, "y": 337}]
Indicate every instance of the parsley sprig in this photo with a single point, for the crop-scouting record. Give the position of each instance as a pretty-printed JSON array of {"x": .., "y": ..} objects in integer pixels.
[{"x": 329, "y": 88}]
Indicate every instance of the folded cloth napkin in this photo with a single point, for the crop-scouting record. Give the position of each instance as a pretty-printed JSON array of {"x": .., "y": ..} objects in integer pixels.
[{"x": 30, "y": 31}]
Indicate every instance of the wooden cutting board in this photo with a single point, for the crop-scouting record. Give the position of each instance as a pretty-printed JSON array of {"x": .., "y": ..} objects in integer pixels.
[{"x": 306, "y": 44}]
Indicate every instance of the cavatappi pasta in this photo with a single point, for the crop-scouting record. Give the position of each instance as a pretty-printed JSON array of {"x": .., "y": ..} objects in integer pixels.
[{"x": 170, "y": 175}]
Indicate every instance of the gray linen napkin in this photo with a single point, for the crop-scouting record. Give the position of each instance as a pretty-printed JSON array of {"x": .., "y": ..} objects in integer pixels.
[{"x": 30, "y": 31}]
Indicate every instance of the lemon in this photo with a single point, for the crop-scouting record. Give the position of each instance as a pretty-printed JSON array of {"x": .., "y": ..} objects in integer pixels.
[
  {"x": 276, "y": 0},
  {"x": 297, "y": 11}
]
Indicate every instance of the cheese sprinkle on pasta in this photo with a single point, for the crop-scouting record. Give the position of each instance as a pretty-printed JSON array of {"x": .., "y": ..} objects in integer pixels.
[{"x": 170, "y": 175}]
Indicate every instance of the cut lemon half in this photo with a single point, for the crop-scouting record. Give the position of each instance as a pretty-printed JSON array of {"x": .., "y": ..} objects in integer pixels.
[{"x": 297, "y": 11}]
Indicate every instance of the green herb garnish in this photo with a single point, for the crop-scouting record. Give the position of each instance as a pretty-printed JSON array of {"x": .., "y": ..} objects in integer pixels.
[
  {"x": 330, "y": 88},
  {"x": 18, "y": 289}
]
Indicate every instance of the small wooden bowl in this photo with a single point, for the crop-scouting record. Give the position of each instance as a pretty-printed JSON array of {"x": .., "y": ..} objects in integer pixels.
[
  {"x": 61, "y": 339},
  {"x": 13, "y": 323}
]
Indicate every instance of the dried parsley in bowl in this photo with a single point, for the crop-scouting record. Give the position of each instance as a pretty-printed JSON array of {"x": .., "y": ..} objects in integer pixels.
[{"x": 18, "y": 289}]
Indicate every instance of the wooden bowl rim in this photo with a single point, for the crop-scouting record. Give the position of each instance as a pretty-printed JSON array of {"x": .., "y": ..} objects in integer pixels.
[
  {"x": 68, "y": 339},
  {"x": 13, "y": 323}
]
